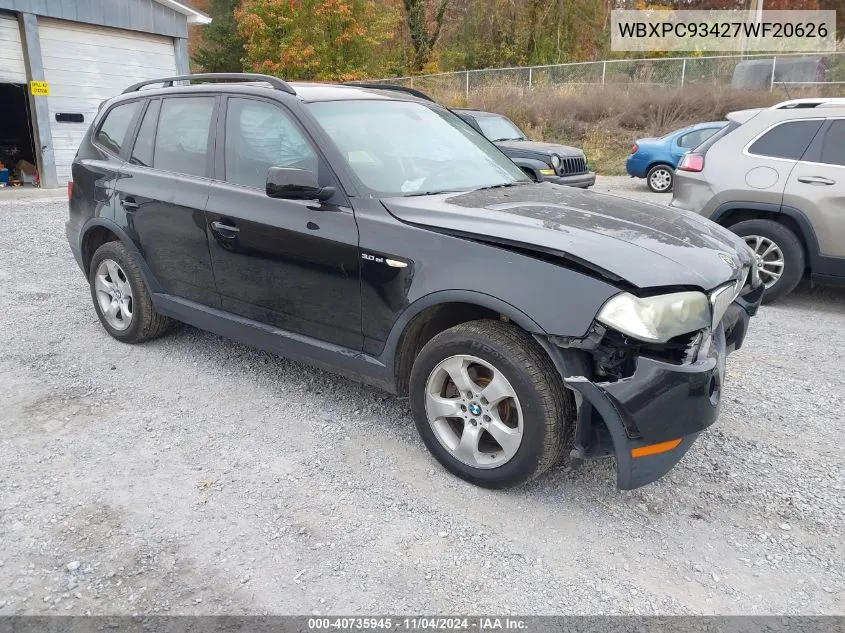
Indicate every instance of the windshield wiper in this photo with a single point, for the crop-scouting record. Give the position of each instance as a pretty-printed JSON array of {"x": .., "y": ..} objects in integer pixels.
[
  {"x": 434, "y": 193},
  {"x": 427, "y": 193},
  {"x": 516, "y": 138},
  {"x": 502, "y": 185}
]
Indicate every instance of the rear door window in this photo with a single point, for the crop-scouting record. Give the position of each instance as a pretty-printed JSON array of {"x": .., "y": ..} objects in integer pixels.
[
  {"x": 113, "y": 131},
  {"x": 788, "y": 140},
  {"x": 181, "y": 143}
]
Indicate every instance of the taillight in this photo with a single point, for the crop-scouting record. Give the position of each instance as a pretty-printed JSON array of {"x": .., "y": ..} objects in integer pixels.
[
  {"x": 692, "y": 162},
  {"x": 69, "y": 189},
  {"x": 635, "y": 149}
]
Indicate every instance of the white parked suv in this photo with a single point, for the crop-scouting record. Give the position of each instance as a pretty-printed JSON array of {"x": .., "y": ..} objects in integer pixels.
[{"x": 776, "y": 177}]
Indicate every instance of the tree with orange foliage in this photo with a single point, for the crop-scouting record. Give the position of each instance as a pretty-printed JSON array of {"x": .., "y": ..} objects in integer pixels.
[{"x": 331, "y": 40}]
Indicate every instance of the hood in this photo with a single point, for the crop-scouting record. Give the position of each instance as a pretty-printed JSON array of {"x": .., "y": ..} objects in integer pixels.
[
  {"x": 527, "y": 148},
  {"x": 644, "y": 244}
]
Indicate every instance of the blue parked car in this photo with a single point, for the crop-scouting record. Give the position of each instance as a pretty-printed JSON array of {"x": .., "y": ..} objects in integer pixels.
[{"x": 655, "y": 159}]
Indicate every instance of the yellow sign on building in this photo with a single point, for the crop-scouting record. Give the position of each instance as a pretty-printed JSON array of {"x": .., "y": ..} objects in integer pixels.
[{"x": 39, "y": 88}]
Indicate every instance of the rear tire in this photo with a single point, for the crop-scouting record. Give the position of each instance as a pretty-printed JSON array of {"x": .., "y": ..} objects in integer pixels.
[
  {"x": 526, "y": 395},
  {"x": 121, "y": 298},
  {"x": 660, "y": 178},
  {"x": 762, "y": 235}
]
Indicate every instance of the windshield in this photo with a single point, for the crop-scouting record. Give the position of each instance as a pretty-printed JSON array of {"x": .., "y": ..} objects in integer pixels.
[
  {"x": 407, "y": 148},
  {"x": 499, "y": 128}
]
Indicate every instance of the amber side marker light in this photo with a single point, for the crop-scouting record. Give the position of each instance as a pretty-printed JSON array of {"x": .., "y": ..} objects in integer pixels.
[{"x": 655, "y": 449}]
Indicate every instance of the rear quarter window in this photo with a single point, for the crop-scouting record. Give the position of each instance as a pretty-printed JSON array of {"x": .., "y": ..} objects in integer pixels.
[
  {"x": 787, "y": 140},
  {"x": 833, "y": 145},
  {"x": 111, "y": 135}
]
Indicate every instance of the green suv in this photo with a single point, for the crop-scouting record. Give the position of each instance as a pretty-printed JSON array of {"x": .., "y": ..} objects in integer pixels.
[{"x": 776, "y": 177}]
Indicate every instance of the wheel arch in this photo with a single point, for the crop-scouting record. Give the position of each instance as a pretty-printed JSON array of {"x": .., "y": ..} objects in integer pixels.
[
  {"x": 657, "y": 162},
  {"x": 99, "y": 231},
  {"x": 732, "y": 213},
  {"x": 530, "y": 166},
  {"x": 436, "y": 312},
  {"x": 531, "y": 173}
]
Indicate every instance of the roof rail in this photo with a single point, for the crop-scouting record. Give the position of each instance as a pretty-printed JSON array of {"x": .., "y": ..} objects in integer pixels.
[
  {"x": 808, "y": 102},
  {"x": 377, "y": 86},
  {"x": 277, "y": 83}
]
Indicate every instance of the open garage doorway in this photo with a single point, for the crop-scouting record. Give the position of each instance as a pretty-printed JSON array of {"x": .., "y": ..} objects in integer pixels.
[{"x": 17, "y": 144}]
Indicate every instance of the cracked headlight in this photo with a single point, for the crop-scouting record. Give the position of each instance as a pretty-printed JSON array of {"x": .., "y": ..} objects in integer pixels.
[{"x": 656, "y": 319}]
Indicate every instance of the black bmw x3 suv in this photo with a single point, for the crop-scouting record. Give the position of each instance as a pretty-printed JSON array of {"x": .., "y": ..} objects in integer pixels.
[{"x": 376, "y": 234}]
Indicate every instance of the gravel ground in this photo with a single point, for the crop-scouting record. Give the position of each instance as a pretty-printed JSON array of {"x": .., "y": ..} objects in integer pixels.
[
  {"x": 630, "y": 188},
  {"x": 193, "y": 475}
]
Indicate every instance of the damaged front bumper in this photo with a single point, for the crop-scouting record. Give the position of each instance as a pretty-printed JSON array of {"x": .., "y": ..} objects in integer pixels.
[{"x": 650, "y": 419}]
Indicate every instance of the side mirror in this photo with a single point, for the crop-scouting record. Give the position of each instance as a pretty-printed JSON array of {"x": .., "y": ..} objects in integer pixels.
[{"x": 290, "y": 183}]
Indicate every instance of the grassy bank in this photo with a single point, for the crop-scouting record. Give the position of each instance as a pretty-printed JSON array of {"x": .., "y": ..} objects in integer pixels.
[{"x": 605, "y": 121}]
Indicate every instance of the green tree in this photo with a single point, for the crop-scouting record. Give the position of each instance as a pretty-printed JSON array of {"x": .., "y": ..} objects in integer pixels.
[
  {"x": 423, "y": 32},
  {"x": 222, "y": 47},
  {"x": 489, "y": 33}
]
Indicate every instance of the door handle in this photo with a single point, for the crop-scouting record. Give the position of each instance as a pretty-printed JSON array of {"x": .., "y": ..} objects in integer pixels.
[
  {"x": 816, "y": 180},
  {"x": 129, "y": 204},
  {"x": 227, "y": 230}
]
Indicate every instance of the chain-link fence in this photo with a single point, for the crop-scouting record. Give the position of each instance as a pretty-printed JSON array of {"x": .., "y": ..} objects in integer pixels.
[{"x": 751, "y": 72}]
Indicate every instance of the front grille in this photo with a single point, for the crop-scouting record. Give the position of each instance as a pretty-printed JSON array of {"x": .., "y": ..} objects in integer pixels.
[
  {"x": 723, "y": 297},
  {"x": 572, "y": 166}
]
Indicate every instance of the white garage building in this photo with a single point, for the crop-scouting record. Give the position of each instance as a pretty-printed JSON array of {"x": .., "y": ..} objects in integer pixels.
[{"x": 80, "y": 52}]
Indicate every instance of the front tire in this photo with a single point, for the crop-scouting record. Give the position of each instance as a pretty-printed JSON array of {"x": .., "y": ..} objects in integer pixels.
[
  {"x": 489, "y": 404},
  {"x": 121, "y": 298},
  {"x": 780, "y": 255},
  {"x": 660, "y": 178}
]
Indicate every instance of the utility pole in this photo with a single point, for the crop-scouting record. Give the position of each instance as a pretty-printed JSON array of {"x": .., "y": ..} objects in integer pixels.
[{"x": 755, "y": 6}]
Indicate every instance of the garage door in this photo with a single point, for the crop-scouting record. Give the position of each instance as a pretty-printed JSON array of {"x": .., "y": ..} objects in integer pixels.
[
  {"x": 88, "y": 64},
  {"x": 12, "y": 69}
]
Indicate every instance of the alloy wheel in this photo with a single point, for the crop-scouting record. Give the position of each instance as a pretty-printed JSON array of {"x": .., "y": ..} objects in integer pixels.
[
  {"x": 660, "y": 179},
  {"x": 114, "y": 294},
  {"x": 769, "y": 256},
  {"x": 474, "y": 411}
]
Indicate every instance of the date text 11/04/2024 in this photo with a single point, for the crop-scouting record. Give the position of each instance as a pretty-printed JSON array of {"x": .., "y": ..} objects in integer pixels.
[{"x": 418, "y": 623}]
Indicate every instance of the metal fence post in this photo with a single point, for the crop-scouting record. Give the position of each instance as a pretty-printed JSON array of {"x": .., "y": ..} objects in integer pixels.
[
  {"x": 603, "y": 71},
  {"x": 774, "y": 64},
  {"x": 683, "y": 72},
  {"x": 467, "y": 86},
  {"x": 530, "y": 77}
]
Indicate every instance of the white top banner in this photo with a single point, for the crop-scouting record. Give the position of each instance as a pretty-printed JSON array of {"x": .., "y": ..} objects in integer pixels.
[{"x": 724, "y": 31}]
